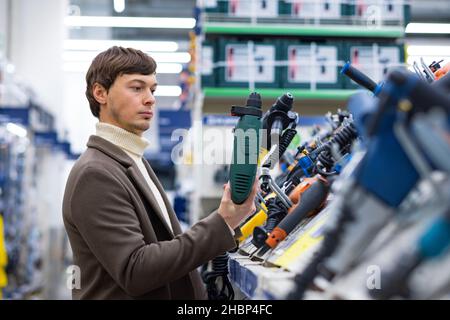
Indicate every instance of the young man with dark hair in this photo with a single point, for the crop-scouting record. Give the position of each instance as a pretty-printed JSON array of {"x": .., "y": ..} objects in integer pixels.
[{"x": 124, "y": 235}]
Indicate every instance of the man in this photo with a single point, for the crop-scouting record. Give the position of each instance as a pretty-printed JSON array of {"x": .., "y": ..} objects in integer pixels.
[{"x": 123, "y": 232}]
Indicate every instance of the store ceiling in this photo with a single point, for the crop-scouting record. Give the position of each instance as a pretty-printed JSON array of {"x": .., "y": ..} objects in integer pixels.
[
  {"x": 134, "y": 8},
  {"x": 137, "y": 8}
]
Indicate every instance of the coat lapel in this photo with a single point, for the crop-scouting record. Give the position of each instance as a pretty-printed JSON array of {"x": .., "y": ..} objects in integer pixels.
[
  {"x": 137, "y": 178},
  {"x": 172, "y": 216},
  {"x": 139, "y": 181}
]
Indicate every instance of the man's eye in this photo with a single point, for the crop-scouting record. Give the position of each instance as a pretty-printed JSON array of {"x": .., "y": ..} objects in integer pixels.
[
  {"x": 153, "y": 91},
  {"x": 136, "y": 88}
]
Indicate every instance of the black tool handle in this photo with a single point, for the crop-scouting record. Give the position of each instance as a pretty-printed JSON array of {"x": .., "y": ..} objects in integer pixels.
[
  {"x": 310, "y": 200},
  {"x": 359, "y": 77}
]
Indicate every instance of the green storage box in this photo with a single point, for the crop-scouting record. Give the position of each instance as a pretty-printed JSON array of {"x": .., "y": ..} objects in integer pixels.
[
  {"x": 207, "y": 70},
  {"x": 390, "y": 12},
  {"x": 308, "y": 62},
  {"x": 213, "y": 6},
  {"x": 246, "y": 8},
  {"x": 373, "y": 59},
  {"x": 324, "y": 10},
  {"x": 233, "y": 58}
]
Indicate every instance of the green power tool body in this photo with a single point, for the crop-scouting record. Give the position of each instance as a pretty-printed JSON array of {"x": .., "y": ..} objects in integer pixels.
[{"x": 246, "y": 148}]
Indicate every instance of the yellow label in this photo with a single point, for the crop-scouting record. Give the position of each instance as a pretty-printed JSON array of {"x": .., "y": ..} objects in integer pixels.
[
  {"x": 3, "y": 278},
  {"x": 305, "y": 242},
  {"x": 3, "y": 254},
  {"x": 3, "y": 258}
]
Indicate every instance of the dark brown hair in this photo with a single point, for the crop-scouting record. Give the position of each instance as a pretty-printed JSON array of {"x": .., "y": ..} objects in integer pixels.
[{"x": 110, "y": 64}]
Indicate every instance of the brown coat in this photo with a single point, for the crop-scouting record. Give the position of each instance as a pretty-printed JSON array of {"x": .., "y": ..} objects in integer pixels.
[{"x": 120, "y": 239}]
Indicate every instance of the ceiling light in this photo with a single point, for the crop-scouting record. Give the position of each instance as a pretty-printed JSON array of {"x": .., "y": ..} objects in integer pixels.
[
  {"x": 119, "y": 6},
  {"x": 101, "y": 45},
  {"x": 416, "y": 50},
  {"x": 428, "y": 28},
  {"x": 174, "y": 57},
  {"x": 129, "y": 22}
]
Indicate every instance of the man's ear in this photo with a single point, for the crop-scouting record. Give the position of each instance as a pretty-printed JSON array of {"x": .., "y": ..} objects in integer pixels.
[{"x": 99, "y": 92}]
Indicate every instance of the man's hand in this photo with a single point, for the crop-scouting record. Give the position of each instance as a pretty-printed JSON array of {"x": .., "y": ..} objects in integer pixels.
[{"x": 232, "y": 213}]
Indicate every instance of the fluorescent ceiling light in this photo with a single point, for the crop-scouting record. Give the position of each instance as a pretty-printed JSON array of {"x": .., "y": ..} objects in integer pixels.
[
  {"x": 174, "y": 57},
  {"x": 119, "y": 6},
  {"x": 169, "y": 68},
  {"x": 129, "y": 22},
  {"x": 101, "y": 45},
  {"x": 16, "y": 129},
  {"x": 83, "y": 66},
  {"x": 168, "y": 91},
  {"x": 428, "y": 28},
  {"x": 416, "y": 50}
]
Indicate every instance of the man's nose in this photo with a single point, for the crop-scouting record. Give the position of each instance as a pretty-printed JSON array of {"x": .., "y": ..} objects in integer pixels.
[{"x": 149, "y": 98}]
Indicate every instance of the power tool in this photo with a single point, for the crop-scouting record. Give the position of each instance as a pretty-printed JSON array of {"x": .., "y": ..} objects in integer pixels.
[
  {"x": 242, "y": 176},
  {"x": 278, "y": 125},
  {"x": 311, "y": 200},
  {"x": 319, "y": 160},
  {"x": 432, "y": 72},
  {"x": 432, "y": 132},
  {"x": 433, "y": 243},
  {"x": 442, "y": 71},
  {"x": 276, "y": 211},
  {"x": 246, "y": 148},
  {"x": 372, "y": 191},
  {"x": 285, "y": 197}
]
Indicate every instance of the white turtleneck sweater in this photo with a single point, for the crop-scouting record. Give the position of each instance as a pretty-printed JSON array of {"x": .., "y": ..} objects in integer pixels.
[{"x": 134, "y": 147}]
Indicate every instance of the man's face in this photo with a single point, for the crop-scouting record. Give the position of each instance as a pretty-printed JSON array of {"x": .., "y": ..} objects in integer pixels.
[{"x": 129, "y": 102}]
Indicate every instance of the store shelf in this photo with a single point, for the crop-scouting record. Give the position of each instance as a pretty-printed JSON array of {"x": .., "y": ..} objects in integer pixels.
[
  {"x": 321, "y": 94},
  {"x": 304, "y": 30}
]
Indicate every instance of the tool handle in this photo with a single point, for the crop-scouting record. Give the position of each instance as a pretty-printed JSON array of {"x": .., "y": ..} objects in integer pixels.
[
  {"x": 359, "y": 77},
  {"x": 311, "y": 200},
  {"x": 245, "y": 158},
  {"x": 436, "y": 239},
  {"x": 276, "y": 130},
  {"x": 285, "y": 141},
  {"x": 257, "y": 220}
]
